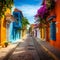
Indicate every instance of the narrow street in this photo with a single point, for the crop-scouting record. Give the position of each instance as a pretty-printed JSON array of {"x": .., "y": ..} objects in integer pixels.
[
  {"x": 29, "y": 49},
  {"x": 29, "y": 30}
]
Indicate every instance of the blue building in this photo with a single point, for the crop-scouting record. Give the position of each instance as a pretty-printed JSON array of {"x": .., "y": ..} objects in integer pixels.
[{"x": 15, "y": 27}]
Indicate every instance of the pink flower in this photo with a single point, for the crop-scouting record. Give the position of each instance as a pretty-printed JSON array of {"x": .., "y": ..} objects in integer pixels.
[{"x": 42, "y": 11}]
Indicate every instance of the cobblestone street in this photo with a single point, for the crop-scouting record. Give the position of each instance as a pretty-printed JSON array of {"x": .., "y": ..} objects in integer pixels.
[
  {"x": 29, "y": 49},
  {"x": 29, "y": 29}
]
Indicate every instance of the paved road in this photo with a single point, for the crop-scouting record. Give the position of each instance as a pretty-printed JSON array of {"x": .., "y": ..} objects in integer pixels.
[{"x": 29, "y": 49}]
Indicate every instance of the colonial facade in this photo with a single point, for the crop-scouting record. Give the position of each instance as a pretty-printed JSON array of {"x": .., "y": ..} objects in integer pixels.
[
  {"x": 49, "y": 17},
  {"x": 3, "y": 28},
  {"x": 5, "y": 8},
  {"x": 15, "y": 27}
]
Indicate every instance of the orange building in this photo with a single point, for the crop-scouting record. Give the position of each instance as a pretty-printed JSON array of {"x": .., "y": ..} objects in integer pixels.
[
  {"x": 55, "y": 41},
  {"x": 57, "y": 9}
]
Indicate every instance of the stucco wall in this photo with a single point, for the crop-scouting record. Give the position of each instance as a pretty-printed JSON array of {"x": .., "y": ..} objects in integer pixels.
[
  {"x": 3, "y": 28},
  {"x": 57, "y": 11}
]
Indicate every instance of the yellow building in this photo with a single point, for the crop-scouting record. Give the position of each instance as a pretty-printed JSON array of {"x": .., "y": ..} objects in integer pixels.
[
  {"x": 5, "y": 10},
  {"x": 23, "y": 32},
  {"x": 3, "y": 27},
  {"x": 42, "y": 32}
]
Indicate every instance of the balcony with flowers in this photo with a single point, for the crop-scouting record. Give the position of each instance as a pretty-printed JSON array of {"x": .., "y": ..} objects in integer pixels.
[
  {"x": 44, "y": 11},
  {"x": 41, "y": 15}
]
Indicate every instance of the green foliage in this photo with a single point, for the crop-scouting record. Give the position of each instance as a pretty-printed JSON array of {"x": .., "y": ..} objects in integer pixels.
[
  {"x": 24, "y": 22},
  {"x": 5, "y": 4}
]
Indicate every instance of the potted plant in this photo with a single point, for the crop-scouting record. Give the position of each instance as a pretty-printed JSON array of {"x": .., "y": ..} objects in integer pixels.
[{"x": 6, "y": 44}]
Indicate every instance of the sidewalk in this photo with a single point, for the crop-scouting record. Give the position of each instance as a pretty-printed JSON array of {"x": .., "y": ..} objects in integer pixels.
[
  {"x": 8, "y": 50},
  {"x": 5, "y": 52},
  {"x": 50, "y": 49}
]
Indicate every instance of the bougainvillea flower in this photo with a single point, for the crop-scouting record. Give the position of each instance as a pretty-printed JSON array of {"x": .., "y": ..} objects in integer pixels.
[{"x": 42, "y": 11}]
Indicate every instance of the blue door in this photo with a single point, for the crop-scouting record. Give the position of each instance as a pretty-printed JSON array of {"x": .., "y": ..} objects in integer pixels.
[{"x": 52, "y": 31}]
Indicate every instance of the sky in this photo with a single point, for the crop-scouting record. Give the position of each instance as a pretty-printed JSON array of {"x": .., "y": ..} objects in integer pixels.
[{"x": 28, "y": 7}]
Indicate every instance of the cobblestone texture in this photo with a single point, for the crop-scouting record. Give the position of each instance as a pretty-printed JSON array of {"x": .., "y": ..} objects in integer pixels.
[{"x": 29, "y": 49}]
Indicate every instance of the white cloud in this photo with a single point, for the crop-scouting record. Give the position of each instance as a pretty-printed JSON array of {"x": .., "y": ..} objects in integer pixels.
[{"x": 29, "y": 11}]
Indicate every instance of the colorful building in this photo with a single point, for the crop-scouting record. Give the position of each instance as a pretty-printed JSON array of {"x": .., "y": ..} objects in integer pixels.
[
  {"x": 42, "y": 33},
  {"x": 3, "y": 27},
  {"x": 15, "y": 27},
  {"x": 23, "y": 32},
  {"x": 50, "y": 16},
  {"x": 31, "y": 30},
  {"x": 55, "y": 25},
  {"x": 35, "y": 31},
  {"x": 41, "y": 28},
  {"x": 5, "y": 8}
]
